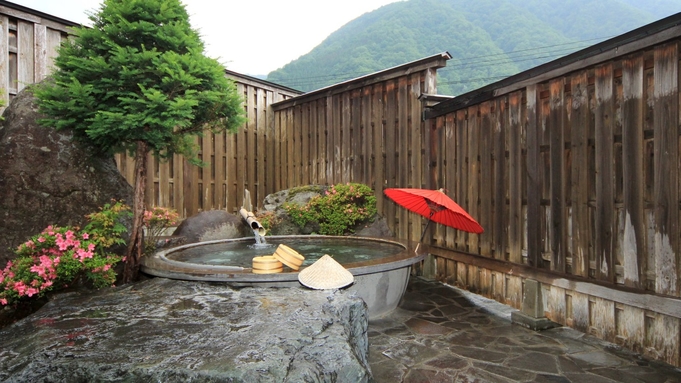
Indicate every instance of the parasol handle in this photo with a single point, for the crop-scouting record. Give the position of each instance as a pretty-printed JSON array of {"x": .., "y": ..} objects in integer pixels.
[{"x": 425, "y": 228}]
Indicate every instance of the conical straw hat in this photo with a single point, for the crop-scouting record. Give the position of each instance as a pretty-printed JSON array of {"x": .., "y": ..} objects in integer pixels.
[{"x": 326, "y": 273}]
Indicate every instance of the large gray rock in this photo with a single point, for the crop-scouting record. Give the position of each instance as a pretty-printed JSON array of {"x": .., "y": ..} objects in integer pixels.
[
  {"x": 163, "y": 330},
  {"x": 378, "y": 227},
  {"x": 46, "y": 178},
  {"x": 301, "y": 196},
  {"x": 212, "y": 225}
]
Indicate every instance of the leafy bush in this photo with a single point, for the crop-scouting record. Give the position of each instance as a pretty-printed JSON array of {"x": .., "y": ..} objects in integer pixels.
[
  {"x": 156, "y": 221},
  {"x": 59, "y": 255},
  {"x": 337, "y": 211}
]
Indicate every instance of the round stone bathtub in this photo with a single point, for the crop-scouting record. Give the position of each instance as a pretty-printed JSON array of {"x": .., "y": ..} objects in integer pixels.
[{"x": 381, "y": 267}]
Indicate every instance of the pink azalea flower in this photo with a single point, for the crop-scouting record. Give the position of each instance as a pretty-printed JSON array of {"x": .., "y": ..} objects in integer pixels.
[
  {"x": 41, "y": 239},
  {"x": 3, "y": 301},
  {"x": 20, "y": 287},
  {"x": 86, "y": 235}
]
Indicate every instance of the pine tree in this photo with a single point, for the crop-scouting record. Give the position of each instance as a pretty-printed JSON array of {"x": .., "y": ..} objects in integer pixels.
[{"x": 139, "y": 81}]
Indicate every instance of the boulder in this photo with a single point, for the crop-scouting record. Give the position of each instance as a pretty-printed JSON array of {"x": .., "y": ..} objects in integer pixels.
[
  {"x": 212, "y": 225},
  {"x": 164, "y": 330},
  {"x": 378, "y": 228},
  {"x": 301, "y": 195},
  {"x": 46, "y": 178},
  {"x": 274, "y": 202}
]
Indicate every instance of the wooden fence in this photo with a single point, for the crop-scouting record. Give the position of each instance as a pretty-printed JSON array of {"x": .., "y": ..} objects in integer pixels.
[
  {"x": 573, "y": 171},
  {"x": 368, "y": 130},
  {"x": 235, "y": 162}
]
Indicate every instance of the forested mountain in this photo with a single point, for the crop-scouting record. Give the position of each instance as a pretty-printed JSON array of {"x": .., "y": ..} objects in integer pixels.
[{"x": 488, "y": 39}]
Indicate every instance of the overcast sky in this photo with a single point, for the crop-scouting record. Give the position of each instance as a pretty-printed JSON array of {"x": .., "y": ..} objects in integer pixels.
[{"x": 249, "y": 37}]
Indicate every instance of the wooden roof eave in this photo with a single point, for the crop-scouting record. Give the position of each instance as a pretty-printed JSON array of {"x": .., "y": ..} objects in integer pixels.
[
  {"x": 436, "y": 61},
  {"x": 37, "y": 17},
  {"x": 259, "y": 83},
  {"x": 627, "y": 43}
]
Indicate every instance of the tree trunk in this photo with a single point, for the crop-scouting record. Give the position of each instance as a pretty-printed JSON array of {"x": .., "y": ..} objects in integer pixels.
[{"x": 136, "y": 245}]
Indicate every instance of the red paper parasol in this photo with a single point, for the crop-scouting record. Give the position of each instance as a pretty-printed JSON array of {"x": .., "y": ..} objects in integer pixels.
[{"x": 436, "y": 206}]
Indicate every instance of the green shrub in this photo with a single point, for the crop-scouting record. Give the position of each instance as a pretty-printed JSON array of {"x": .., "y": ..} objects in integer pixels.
[
  {"x": 337, "y": 211},
  {"x": 59, "y": 255}
]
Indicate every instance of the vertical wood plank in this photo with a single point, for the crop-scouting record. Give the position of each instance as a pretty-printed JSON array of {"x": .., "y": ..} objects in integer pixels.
[
  {"x": 462, "y": 173},
  {"x": 240, "y": 143},
  {"x": 666, "y": 125},
  {"x": 515, "y": 223},
  {"x": 556, "y": 132},
  {"x": 377, "y": 122},
  {"x": 271, "y": 143},
  {"x": 486, "y": 149},
  {"x": 534, "y": 180},
  {"x": 605, "y": 174},
  {"x": 287, "y": 149},
  {"x": 178, "y": 185},
  {"x": 367, "y": 139},
  {"x": 277, "y": 164},
  {"x": 346, "y": 129},
  {"x": 4, "y": 61},
  {"x": 220, "y": 171},
  {"x": 26, "y": 54},
  {"x": 435, "y": 139},
  {"x": 473, "y": 195},
  {"x": 189, "y": 187},
  {"x": 304, "y": 127},
  {"x": 544, "y": 122},
  {"x": 207, "y": 172},
  {"x": 53, "y": 41},
  {"x": 450, "y": 154},
  {"x": 331, "y": 118},
  {"x": 261, "y": 148},
  {"x": 337, "y": 139},
  {"x": 314, "y": 143},
  {"x": 499, "y": 128},
  {"x": 323, "y": 140},
  {"x": 649, "y": 169},
  {"x": 356, "y": 137},
  {"x": 416, "y": 166},
  {"x": 292, "y": 153},
  {"x": 390, "y": 150},
  {"x": 579, "y": 120},
  {"x": 40, "y": 54},
  {"x": 251, "y": 137},
  {"x": 634, "y": 247},
  {"x": 163, "y": 184},
  {"x": 402, "y": 150}
]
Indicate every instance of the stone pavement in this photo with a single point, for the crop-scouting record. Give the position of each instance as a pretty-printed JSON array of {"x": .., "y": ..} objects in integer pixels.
[{"x": 443, "y": 334}]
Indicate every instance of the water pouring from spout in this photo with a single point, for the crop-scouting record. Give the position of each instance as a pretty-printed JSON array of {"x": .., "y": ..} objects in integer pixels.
[{"x": 258, "y": 230}]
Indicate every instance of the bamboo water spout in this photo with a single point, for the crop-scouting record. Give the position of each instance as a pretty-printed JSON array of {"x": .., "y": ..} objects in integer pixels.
[{"x": 257, "y": 228}]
